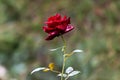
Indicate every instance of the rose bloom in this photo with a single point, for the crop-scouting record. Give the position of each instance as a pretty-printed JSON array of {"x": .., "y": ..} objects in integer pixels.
[{"x": 56, "y": 26}]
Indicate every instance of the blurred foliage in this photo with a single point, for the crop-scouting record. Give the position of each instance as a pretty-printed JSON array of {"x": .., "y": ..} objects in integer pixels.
[{"x": 97, "y": 32}]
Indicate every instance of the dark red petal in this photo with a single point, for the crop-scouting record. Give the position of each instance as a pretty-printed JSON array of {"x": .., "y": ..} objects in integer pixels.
[
  {"x": 69, "y": 28},
  {"x": 48, "y": 22},
  {"x": 52, "y": 35},
  {"x": 50, "y": 18},
  {"x": 52, "y": 24},
  {"x": 68, "y": 21},
  {"x": 65, "y": 17},
  {"x": 48, "y": 29},
  {"x": 61, "y": 27},
  {"x": 58, "y": 16}
]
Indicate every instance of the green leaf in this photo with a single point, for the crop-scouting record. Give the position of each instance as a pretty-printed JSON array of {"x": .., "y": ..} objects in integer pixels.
[
  {"x": 69, "y": 70},
  {"x": 77, "y": 50},
  {"x": 74, "y": 73},
  {"x": 55, "y": 49},
  {"x": 38, "y": 69},
  {"x": 64, "y": 75}
]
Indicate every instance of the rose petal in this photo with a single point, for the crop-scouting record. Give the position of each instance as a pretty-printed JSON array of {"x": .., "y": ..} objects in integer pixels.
[
  {"x": 48, "y": 29},
  {"x": 64, "y": 18},
  {"x": 52, "y": 35},
  {"x": 68, "y": 20},
  {"x": 52, "y": 23},
  {"x": 58, "y": 16},
  {"x": 69, "y": 28},
  {"x": 61, "y": 27}
]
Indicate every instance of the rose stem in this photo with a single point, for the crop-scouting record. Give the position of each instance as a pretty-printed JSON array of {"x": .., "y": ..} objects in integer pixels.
[{"x": 64, "y": 60}]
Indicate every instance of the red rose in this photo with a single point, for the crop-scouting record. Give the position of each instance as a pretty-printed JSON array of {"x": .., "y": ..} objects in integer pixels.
[{"x": 56, "y": 26}]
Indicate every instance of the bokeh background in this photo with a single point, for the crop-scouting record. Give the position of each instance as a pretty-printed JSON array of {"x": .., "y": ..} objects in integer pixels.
[{"x": 23, "y": 48}]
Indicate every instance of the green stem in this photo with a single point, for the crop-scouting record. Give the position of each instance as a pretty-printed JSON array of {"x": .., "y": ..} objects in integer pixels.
[
  {"x": 64, "y": 47},
  {"x": 66, "y": 78},
  {"x": 55, "y": 71},
  {"x": 63, "y": 66},
  {"x": 64, "y": 60}
]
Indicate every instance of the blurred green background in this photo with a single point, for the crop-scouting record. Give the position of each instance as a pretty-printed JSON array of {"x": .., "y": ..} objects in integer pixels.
[{"x": 23, "y": 48}]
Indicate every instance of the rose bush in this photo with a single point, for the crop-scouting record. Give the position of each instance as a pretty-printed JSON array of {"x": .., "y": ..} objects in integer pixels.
[{"x": 56, "y": 26}]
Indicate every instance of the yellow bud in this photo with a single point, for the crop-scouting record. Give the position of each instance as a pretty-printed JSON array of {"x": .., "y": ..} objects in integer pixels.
[{"x": 51, "y": 66}]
